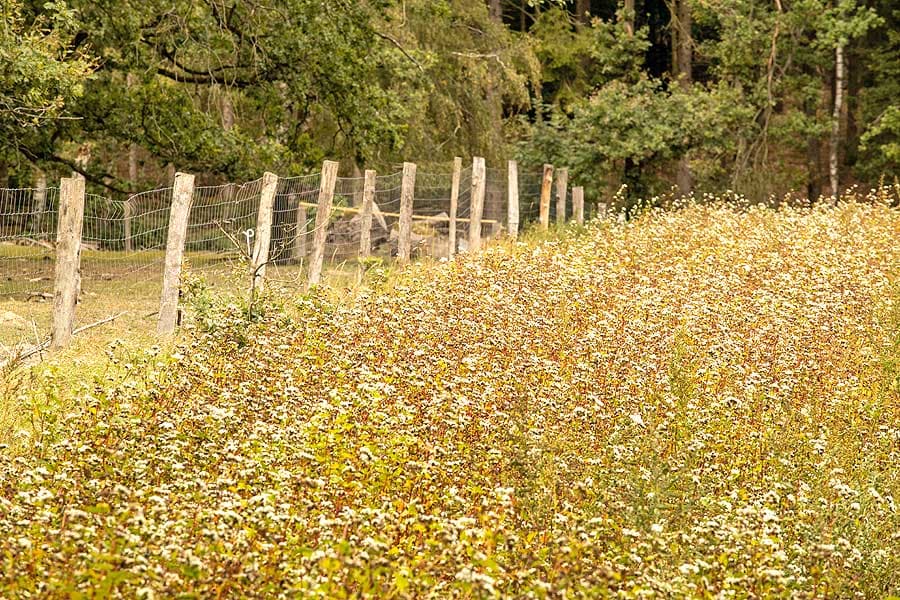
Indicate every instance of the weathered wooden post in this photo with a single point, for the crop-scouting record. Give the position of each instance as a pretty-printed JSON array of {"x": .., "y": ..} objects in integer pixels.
[
  {"x": 127, "y": 210},
  {"x": 182, "y": 195},
  {"x": 263, "y": 237},
  {"x": 454, "y": 206},
  {"x": 368, "y": 201},
  {"x": 578, "y": 204},
  {"x": 407, "y": 193},
  {"x": 323, "y": 215},
  {"x": 512, "y": 220},
  {"x": 546, "y": 184},
  {"x": 562, "y": 184},
  {"x": 478, "y": 189},
  {"x": 299, "y": 250},
  {"x": 68, "y": 259}
]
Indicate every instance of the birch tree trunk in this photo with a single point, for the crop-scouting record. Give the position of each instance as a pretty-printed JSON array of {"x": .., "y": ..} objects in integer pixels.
[{"x": 836, "y": 121}]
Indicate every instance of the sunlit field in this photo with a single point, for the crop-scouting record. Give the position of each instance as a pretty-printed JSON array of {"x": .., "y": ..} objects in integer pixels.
[{"x": 697, "y": 403}]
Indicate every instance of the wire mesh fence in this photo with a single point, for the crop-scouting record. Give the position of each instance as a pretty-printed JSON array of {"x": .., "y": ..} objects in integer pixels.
[
  {"x": 221, "y": 224},
  {"x": 294, "y": 218},
  {"x": 28, "y": 219},
  {"x": 124, "y": 242}
]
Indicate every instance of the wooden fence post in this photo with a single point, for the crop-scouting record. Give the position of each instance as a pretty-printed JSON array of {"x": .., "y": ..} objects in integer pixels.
[
  {"x": 68, "y": 259},
  {"x": 578, "y": 204},
  {"x": 365, "y": 234},
  {"x": 478, "y": 189},
  {"x": 263, "y": 237},
  {"x": 407, "y": 193},
  {"x": 454, "y": 205},
  {"x": 127, "y": 210},
  {"x": 546, "y": 184},
  {"x": 323, "y": 215},
  {"x": 300, "y": 236},
  {"x": 512, "y": 221},
  {"x": 182, "y": 196},
  {"x": 562, "y": 184}
]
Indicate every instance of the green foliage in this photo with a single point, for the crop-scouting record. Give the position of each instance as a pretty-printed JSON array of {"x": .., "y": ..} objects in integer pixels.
[
  {"x": 227, "y": 89},
  {"x": 641, "y": 122},
  {"x": 760, "y": 96},
  {"x": 461, "y": 71},
  {"x": 885, "y": 136},
  {"x": 879, "y": 105},
  {"x": 39, "y": 74}
]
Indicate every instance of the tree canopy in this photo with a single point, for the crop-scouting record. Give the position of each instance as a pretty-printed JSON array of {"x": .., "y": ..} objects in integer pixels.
[{"x": 711, "y": 93}]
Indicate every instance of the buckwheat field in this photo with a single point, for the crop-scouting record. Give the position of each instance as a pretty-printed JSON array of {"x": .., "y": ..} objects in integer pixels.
[{"x": 698, "y": 403}]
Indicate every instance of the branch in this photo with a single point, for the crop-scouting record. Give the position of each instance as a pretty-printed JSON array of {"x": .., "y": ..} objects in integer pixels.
[
  {"x": 171, "y": 57},
  {"x": 100, "y": 179},
  {"x": 385, "y": 36},
  {"x": 198, "y": 79}
]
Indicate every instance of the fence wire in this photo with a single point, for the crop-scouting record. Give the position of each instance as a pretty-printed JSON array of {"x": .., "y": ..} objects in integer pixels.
[
  {"x": 530, "y": 196},
  {"x": 222, "y": 224},
  {"x": 126, "y": 240},
  {"x": 294, "y": 218},
  {"x": 28, "y": 220}
]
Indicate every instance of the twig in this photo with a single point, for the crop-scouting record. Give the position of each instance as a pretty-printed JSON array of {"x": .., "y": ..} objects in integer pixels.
[
  {"x": 46, "y": 343},
  {"x": 84, "y": 328},
  {"x": 493, "y": 55}
]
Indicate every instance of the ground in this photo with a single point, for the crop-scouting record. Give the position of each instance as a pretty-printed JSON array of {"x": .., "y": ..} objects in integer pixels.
[{"x": 697, "y": 403}]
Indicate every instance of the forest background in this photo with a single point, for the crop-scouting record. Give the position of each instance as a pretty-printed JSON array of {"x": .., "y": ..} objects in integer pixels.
[{"x": 762, "y": 97}]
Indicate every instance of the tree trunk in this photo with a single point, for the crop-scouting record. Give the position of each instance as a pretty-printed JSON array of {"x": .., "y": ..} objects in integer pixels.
[
  {"x": 496, "y": 11},
  {"x": 132, "y": 163},
  {"x": 132, "y": 147},
  {"x": 853, "y": 84},
  {"x": 629, "y": 17},
  {"x": 813, "y": 158},
  {"x": 682, "y": 42},
  {"x": 583, "y": 11},
  {"x": 685, "y": 42},
  {"x": 40, "y": 202},
  {"x": 836, "y": 120},
  {"x": 227, "y": 111}
]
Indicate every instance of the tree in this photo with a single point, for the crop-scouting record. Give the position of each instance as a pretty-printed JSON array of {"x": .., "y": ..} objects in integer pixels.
[
  {"x": 879, "y": 107},
  {"x": 40, "y": 73},
  {"x": 292, "y": 70},
  {"x": 841, "y": 24}
]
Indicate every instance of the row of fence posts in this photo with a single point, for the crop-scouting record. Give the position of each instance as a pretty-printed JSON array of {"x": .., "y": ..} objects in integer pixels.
[{"x": 71, "y": 218}]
